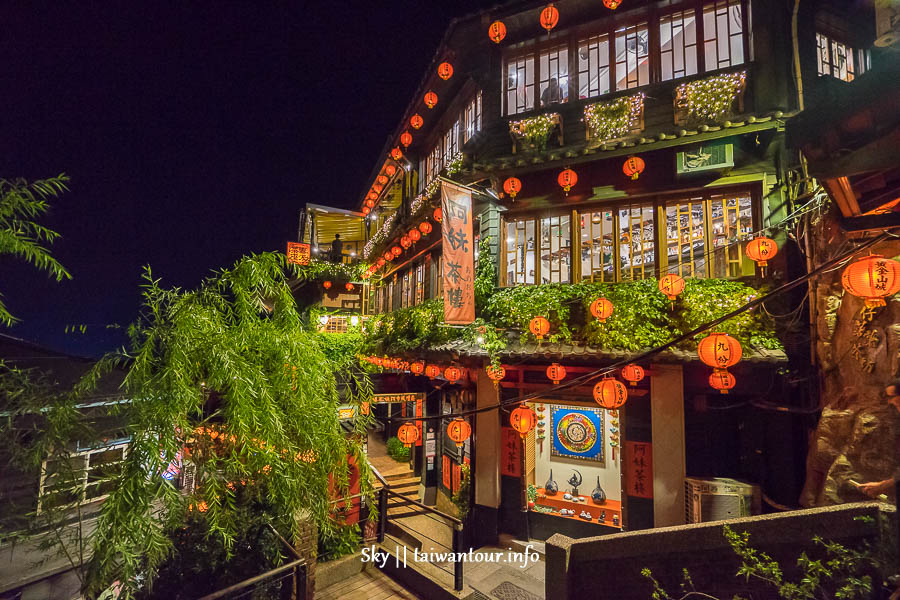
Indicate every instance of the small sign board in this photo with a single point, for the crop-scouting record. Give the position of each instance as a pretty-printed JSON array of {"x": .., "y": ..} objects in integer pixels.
[
  {"x": 298, "y": 253},
  {"x": 398, "y": 398}
]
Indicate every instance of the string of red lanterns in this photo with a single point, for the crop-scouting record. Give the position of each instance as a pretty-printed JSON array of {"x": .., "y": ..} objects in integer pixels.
[
  {"x": 416, "y": 121},
  {"x": 556, "y": 373},
  {"x": 633, "y": 166},
  {"x": 610, "y": 393},
  {"x": 445, "y": 71},
  {"x": 406, "y": 139},
  {"x": 431, "y": 99},
  {"x": 632, "y": 374},
  {"x": 566, "y": 179}
]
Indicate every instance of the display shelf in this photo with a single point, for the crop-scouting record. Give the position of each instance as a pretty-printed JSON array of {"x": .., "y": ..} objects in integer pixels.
[{"x": 610, "y": 507}]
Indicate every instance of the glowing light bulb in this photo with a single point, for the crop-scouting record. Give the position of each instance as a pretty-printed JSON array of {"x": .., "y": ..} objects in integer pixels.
[{"x": 323, "y": 319}]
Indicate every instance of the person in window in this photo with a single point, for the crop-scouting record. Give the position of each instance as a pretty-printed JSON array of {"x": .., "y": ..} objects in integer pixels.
[
  {"x": 887, "y": 486},
  {"x": 552, "y": 93},
  {"x": 337, "y": 249}
]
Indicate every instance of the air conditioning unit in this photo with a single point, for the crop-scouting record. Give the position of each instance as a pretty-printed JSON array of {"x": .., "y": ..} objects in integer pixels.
[
  {"x": 719, "y": 499},
  {"x": 706, "y": 157}
]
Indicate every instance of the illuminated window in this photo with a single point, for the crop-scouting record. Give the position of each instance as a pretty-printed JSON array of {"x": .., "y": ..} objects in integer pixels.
[
  {"x": 419, "y": 271},
  {"x": 598, "y": 246},
  {"x": 85, "y": 477},
  {"x": 451, "y": 145},
  {"x": 723, "y": 40},
  {"x": 472, "y": 117},
  {"x": 632, "y": 57},
  {"x": 520, "y": 267},
  {"x": 686, "y": 238},
  {"x": 838, "y": 60},
  {"x": 437, "y": 284},
  {"x": 556, "y": 250},
  {"x": 636, "y": 235},
  {"x": 520, "y": 85},
  {"x": 678, "y": 45},
  {"x": 554, "y": 76},
  {"x": 593, "y": 66},
  {"x": 730, "y": 217}
]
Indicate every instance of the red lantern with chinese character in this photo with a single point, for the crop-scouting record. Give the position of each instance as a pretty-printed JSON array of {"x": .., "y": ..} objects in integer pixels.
[
  {"x": 406, "y": 139},
  {"x": 495, "y": 373},
  {"x": 632, "y": 373},
  {"x": 567, "y": 179},
  {"x": 459, "y": 431},
  {"x": 445, "y": 70},
  {"x": 425, "y": 227},
  {"x": 405, "y": 242},
  {"x": 326, "y": 284},
  {"x": 719, "y": 350},
  {"x": 431, "y": 99},
  {"x": 671, "y": 285},
  {"x": 612, "y": 4},
  {"x": 633, "y": 167},
  {"x": 556, "y": 373},
  {"x": 390, "y": 170},
  {"x": 610, "y": 393},
  {"x": 549, "y": 17},
  {"x": 539, "y": 326},
  {"x": 761, "y": 250},
  {"x": 722, "y": 380},
  {"x": 438, "y": 215},
  {"x": 416, "y": 121},
  {"x": 414, "y": 235},
  {"x": 396, "y": 250},
  {"x": 408, "y": 434},
  {"x": 602, "y": 309},
  {"x": 396, "y": 153},
  {"x": 349, "y": 286},
  {"x": 522, "y": 420},
  {"x": 497, "y": 31},
  {"x": 432, "y": 371},
  {"x": 417, "y": 367},
  {"x": 452, "y": 374},
  {"x": 512, "y": 186},
  {"x": 873, "y": 278}
]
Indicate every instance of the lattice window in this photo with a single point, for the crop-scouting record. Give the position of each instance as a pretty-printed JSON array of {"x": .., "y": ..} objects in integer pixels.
[
  {"x": 637, "y": 245},
  {"x": 593, "y": 66},
  {"x": 678, "y": 45},
  {"x": 730, "y": 218},
  {"x": 598, "y": 245},
  {"x": 520, "y": 265},
  {"x": 554, "y": 76},
  {"x": 472, "y": 117},
  {"x": 632, "y": 57},
  {"x": 520, "y": 85},
  {"x": 556, "y": 250},
  {"x": 723, "y": 39}
]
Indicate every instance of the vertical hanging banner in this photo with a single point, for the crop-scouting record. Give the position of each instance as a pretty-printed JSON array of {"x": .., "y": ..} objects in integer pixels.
[
  {"x": 458, "y": 254},
  {"x": 638, "y": 463},
  {"x": 419, "y": 413},
  {"x": 510, "y": 452}
]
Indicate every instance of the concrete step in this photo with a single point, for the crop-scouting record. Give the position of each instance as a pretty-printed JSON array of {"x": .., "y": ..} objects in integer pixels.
[{"x": 393, "y": 477}]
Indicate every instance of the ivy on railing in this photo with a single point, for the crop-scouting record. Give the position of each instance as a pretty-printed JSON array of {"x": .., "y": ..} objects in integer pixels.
[
  {"x": 709, "y": 99},
  {"x": 534, "y": 131},
  {"x": 614, "y": 118}
]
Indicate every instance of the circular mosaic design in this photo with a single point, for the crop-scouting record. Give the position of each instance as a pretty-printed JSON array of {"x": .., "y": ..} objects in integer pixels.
[{"x": 576, "y": 433}]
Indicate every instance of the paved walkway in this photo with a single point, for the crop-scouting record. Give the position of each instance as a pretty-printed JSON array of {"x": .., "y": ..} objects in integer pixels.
[{"x": 371, "y": 584}]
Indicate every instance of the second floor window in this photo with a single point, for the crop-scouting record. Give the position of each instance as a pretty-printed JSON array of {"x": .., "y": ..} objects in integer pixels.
[
  {"x": 838, "y": 59},
  {"x": 632, "y": 57},
  {"x": 593, "y": 66},
  {"x": 723, "y": 34},
  {"x": 678, "y": 45},
  {"x": 472, "y": 117}
]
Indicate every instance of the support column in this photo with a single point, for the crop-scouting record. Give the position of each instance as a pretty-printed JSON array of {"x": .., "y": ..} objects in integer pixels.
[
  {"x": 667, "y": 422},
  {"x": 486, "y": 468}
]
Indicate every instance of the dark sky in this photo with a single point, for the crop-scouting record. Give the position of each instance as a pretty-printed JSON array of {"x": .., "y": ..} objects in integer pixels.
[{"x": 192, "y": 135}]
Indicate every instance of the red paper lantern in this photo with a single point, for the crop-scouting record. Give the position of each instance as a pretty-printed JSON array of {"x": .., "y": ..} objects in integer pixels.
[
  {"x": 549, "y": 17},
  {"x": 366, "y": 210},
  {"x": 556, "y": 373},
  {"x": 512, "y": 186},
  {"x": 452, "y": 374},
  {"x": 396, "y": 250},
  {"x": 438, "y": 215},
  {"x": 610, "y": 393},
  {"x": 372, "y": 196},
  {"x": 406, "y": 139},
  {"x": 390, "y": 170},
  {"x": 432, "y": 371},
  {"x": 416, "y": 121},
  {"x": 378, "y": 187},
  {"x": 388, "y": 256},
  {"x": 417, "y": 367},
  {"x": 601, "y": 308},
  {"x": 408, "y": 434},
  {"x": 349, "y": 286},
  {"x": 873, "y": 278},
  {"x": 522, "y": 420},
  {"x": 326, "y": 284},
  {"x": 381, "y": 262},
  {"x": 382, "y": 179},
  {"x": 459, "y": 431},
  {"x": 761, "y": 250},
  {"x": 495, "y": 373},
  {"x": 671, "y": 285},
  {"x": 396, "y": 153},
  {"x": 632, "y": 373},
  {"x": 719, "y": 350},
  {"x": 567, "y": 179},
  {"x": 414, "y": 235},
  {"x": 445, "y": 71},
  {"x": 425, "y": 227},
  {"x": 497, "y": 31},
  {"x": 431, "y": 99},
  {"x": 722, "y": 380},
  {"x": 633, "y": 167},
  {"x": 405, "y": 242},
  {"x": 539, "y": 326},
  {"x": 370, "y": 203},
  {"x": 612, "y": 4}
]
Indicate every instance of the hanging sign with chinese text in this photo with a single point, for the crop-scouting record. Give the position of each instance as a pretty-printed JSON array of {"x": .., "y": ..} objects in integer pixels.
[
  {"x": 638, "y": 463},
  {"x": 511, "y": 452},
  {"x": 458, "y": 255},
  {"x": 419, "y": 413},
  {"x": 298, "y": 253},
  {"x": 393, "y": 398}
]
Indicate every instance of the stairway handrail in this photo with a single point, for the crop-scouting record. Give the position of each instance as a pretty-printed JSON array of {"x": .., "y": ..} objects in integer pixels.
[{"x": 457, "y": 524}]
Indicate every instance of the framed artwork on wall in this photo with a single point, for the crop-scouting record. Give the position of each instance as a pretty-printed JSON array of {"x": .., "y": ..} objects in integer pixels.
[{"x": 577, "y": 433}]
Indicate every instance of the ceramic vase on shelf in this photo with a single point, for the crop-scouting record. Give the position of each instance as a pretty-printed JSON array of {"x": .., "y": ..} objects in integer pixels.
[
  {"x": 598, "y": 495},
  {"x": 550, "y": 487}
]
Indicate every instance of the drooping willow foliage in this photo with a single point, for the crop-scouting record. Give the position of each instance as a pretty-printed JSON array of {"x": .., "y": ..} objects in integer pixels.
[{"x": 227, "y": 374}]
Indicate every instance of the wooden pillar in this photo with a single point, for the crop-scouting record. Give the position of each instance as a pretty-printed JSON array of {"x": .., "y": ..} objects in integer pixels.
[
  {"x": 667, "y": 419},
  {"x": 487, "y": 444}
]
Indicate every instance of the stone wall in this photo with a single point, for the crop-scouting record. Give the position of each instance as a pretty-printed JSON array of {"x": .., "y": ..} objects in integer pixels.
[
  {"x": 858, "y": 353},
  {"x": 306, "y": 543},
  {"x": 609, "y": 567}
]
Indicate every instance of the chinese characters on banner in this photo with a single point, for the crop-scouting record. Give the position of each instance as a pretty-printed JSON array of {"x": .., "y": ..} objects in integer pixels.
[
  {"x": 456, "y": 477},
  {"x": 638, "y": 465},
  {"x": 458, "y": 255},
  {"x": 511, "y": 453},
  {"x": 298, "y": 253},
  {"x": 393, "y": 398},
  {"x": 445, "y": 471},
  {"x": 419, "y": 421}
]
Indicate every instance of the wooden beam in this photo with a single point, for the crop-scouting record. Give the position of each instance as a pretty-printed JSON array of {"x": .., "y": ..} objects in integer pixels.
[{"x": 871, "y": 222}]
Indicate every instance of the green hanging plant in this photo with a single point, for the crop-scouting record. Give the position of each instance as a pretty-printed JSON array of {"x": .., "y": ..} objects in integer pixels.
[
  {"x": 710, "y": 99},
  {"x": 534, "y": 131},
  {"x": 614, "y": 118}
]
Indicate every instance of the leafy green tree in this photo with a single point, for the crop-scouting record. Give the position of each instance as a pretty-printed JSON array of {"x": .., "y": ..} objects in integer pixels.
[{"x": 21, "y": 204}]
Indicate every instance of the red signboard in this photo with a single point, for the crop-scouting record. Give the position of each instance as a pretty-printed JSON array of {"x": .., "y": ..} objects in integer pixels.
[
  {"x": 458, "y": 254},
  {"x": 638, "y": 463},
  {"x": 456, "y": 476},
  {"x": 419, "y": 421},
  {"x": 511, "y": 452},
  {"x": 298, "y": 253},
  {"x": 445, "y": 471}
]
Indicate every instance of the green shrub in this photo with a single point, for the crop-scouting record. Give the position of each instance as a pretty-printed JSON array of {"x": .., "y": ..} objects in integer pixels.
[
  {"x": 397, "y": 450},
  {"x": 341, "y": 541}
]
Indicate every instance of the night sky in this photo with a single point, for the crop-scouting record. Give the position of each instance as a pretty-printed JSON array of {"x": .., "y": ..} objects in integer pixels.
[{"x": 192, "y": 136}]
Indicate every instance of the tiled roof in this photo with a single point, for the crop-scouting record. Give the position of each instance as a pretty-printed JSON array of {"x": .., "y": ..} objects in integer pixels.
[{"x": 516, "y": 350}]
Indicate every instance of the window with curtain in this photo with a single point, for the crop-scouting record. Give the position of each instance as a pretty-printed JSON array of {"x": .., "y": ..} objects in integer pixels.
[
  {"x": 556, "y": 249},
  {"x": 678, "y": 45},
  {"x": 520, "y": 238},
  {"x": 632, "y": 57},
  {"x": 723, "y": 39},
  {"x": 593, "y": 66},
  {"x": 598, "y": 247}
]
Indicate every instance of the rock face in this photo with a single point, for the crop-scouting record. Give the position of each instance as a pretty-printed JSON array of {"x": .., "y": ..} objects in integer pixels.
[{"x": 858, "y": 353}]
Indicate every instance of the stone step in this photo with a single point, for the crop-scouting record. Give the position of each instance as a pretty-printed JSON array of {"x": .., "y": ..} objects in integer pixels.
[{"x": 408, "y": 474}]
